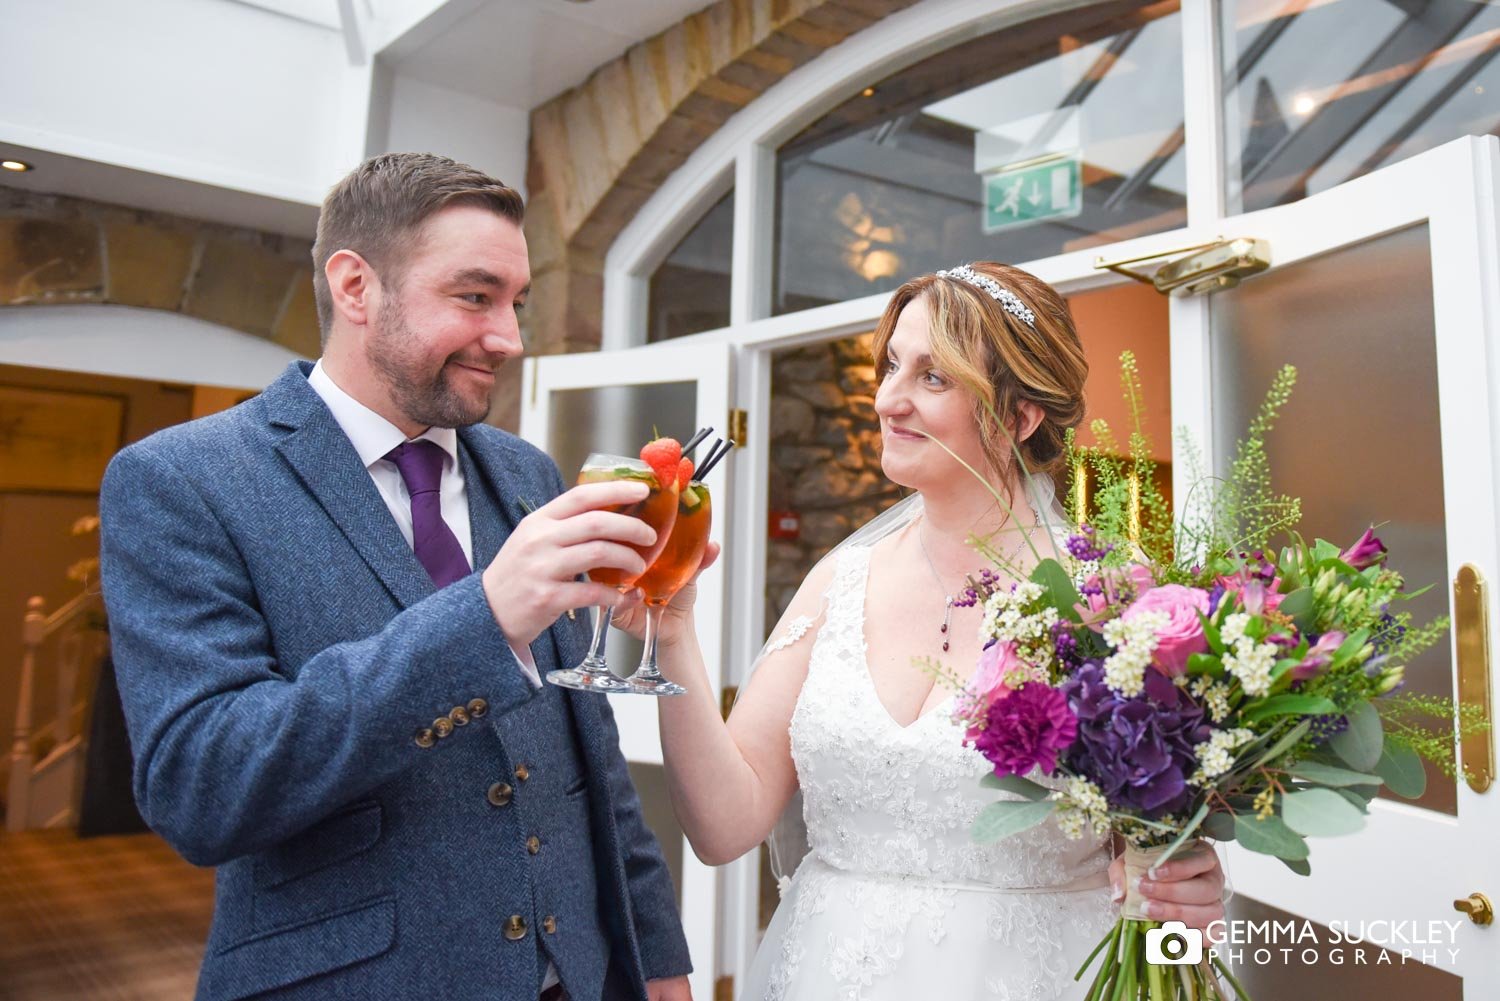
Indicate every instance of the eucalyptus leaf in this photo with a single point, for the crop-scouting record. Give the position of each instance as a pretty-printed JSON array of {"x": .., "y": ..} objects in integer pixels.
[
  {"x": 1320, "y": 813},
  {"x": 1360, "y": 802},
  {"x": 1290, "y": 705},
  {"x": 1059, "y": 587},
  {"x": 1300, "y": 866},
  {"x": 1281, "y": 746},
  {"x": 1001, "y": 820},
  {"x": 1016, "y": 784},
  {"x": 1269, "y": 836},
  {"x": 1403, "y": 771},
  {"x": 1327, "y": 775},
  {"x": 1361, "y": 743},
  {"x": 1219, "y": 826}
]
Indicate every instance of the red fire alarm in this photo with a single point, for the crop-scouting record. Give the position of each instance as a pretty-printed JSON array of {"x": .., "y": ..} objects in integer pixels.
[{"x": 785, "y": 525}]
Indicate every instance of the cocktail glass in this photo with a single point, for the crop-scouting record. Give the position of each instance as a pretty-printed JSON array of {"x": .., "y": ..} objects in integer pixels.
[
  {"x": 665, "y": 577},
  {"x": 659, "y": 510}
]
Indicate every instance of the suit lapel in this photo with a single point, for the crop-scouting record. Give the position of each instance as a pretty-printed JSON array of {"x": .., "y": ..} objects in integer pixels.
[{"x": 327, "y": 464}]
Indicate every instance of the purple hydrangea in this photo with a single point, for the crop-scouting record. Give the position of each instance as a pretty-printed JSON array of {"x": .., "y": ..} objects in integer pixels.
[
  {"x": 1025, "y": 728},
  {"x": 1139, "y": 750}
]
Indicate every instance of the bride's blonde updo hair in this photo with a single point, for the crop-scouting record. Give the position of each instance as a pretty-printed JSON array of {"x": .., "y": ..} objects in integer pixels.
[{"x": 1000, "y": 358}]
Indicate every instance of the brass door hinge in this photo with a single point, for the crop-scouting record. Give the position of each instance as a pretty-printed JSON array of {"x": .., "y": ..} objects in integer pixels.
[
  {"x": 739, "y": 427},
  {"x": 727, "y": 695},
  {"x": 724, "y": 989}
]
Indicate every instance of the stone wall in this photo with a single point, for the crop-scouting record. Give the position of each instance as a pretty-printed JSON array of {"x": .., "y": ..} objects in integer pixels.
[
  {"x": 825, "y": 457},
  {"x": 56, "y": 249}
]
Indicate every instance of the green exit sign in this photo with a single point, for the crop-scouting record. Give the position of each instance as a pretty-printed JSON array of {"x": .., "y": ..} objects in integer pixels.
[{"x": 1049, "y": 190}]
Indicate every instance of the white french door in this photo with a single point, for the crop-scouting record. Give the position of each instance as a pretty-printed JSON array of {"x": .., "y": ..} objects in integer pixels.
[
  {"x": 1384, "y": 292},
  {"x": 614, "y": 401}
]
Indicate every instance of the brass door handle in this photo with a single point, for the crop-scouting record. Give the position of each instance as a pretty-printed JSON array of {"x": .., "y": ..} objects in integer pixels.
[{"x": 1477, "y": 907}]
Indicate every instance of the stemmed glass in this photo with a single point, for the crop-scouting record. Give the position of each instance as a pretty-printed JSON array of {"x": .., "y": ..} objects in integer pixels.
[
  {"x": 659, "y": 510},
  {"x": 664, "y": 578}
]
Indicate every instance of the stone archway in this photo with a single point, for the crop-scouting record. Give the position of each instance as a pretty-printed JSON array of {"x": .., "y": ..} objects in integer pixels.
[
  {"x": 55, "y": 249},
  {"x": 599, "y": 151}
]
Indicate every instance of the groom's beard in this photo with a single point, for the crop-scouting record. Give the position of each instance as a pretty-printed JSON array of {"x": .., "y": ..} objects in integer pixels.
[{"x": 428, "y": 398}]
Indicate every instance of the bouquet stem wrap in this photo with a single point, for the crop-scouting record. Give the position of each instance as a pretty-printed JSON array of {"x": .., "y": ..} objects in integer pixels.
[{"x": 1127, "y": 973}]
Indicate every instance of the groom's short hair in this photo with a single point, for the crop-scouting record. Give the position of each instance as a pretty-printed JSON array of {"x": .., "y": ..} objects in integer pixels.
[{"x": 378, "y": 208}]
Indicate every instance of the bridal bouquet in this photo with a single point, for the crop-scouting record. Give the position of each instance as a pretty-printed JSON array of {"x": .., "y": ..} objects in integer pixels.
[{"x": 1184, "y": 680}]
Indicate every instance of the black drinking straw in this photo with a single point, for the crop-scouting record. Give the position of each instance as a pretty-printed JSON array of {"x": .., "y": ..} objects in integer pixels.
[
  {"x": 714, "y": 455},
  {"x": 695, "y": 441}
]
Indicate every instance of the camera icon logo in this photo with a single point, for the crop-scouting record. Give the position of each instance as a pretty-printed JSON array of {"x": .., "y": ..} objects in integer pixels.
[{"x": 1174, "y": 944}]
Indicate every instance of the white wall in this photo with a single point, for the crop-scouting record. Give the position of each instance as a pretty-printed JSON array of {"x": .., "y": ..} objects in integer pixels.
[
  {"x": 426, "y": 118},
  {"x": 138, "y": 343},
  {"x": 207, "y": 90}
]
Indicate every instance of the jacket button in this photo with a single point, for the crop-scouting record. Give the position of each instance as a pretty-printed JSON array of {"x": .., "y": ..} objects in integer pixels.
[
  {"x": 459, "y": 715},
  {"x": 533, "y": 844},
  {"x": 425, "y": 738},
  {"x": 515, "y": 928},
  {"x": 478, "y": 707},
  {"x": 549, "y": 925},
  {"x": 442, "y": 726},
  {"x": 499, "y": 794},
  {"x": 523, "y": 773}
]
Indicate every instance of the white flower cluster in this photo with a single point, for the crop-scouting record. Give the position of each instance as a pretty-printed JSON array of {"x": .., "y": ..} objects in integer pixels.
[
  {"x": 1082, "y": 807},
  {"x": 1251, "y": 662},
  {"x": 1215, "y": 694},
  {"x": 1134, "y": 641},
  {"x": 1007, "y": 619},
  {"x": 1216, "y": 754},
  {"x": 1233, "y": 629}
]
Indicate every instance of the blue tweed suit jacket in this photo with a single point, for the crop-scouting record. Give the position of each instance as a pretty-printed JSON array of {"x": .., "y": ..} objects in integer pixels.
[{"x": 278, "y": 647}]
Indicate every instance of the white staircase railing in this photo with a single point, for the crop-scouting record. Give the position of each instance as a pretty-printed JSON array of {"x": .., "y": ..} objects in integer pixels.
[{"x": 44, "y": 790}]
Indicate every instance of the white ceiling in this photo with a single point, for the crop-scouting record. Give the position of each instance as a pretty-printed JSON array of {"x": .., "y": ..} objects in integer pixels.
[
  {"x": 56, "y": 173},
  {"x": 523, "y": 52}
]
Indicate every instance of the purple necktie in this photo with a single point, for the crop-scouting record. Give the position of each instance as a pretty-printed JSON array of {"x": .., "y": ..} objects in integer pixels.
[{"x": 433, "y": 542}]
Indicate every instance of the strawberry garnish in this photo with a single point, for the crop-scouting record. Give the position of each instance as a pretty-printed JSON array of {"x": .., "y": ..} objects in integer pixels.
[
  {"x": 684, "y": 473},
  {"x": 662, "y": 455}
]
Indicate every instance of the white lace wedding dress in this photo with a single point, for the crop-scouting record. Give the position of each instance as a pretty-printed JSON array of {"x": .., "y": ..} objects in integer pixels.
[{"x": 896, "y": 902}]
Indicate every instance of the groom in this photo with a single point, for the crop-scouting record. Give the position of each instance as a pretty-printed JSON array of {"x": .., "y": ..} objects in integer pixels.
[{"x": 330, "y": 614}]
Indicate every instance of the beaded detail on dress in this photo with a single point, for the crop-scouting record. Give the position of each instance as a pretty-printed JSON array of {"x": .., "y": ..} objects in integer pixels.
[{"x": 892, "y": 868}]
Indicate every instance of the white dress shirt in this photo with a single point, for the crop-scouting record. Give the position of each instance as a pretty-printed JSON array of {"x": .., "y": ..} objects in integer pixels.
[{"x": 373, "y": 438}]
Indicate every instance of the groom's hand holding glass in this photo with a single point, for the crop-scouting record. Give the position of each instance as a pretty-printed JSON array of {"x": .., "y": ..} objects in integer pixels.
[{"x": 534, "y": 577}]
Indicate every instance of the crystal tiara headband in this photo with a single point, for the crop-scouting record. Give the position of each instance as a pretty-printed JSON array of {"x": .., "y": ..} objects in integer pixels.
[{"x": 1004, "y": 296}]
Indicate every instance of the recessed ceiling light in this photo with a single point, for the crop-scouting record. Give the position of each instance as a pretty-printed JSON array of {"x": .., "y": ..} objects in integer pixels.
[
  {"x": 867, "y": 92},
  {"x": 19, "y": 166},
  {"x": 1305, "y": 104}
]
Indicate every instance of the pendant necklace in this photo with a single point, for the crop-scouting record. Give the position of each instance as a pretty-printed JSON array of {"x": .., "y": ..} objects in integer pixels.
[{"x": 949, "y": 599}]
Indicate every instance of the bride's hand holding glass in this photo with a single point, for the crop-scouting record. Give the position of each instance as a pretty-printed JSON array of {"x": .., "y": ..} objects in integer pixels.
[{"x": 676, "y": 615}]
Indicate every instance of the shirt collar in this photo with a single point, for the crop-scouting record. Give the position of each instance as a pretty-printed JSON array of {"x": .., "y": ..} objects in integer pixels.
[{"x": 371, "y": 434}]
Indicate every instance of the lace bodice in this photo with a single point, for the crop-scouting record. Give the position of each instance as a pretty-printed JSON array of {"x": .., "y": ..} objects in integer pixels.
[
  {"x": 885, "y": 799},
  {"x": 888, "y": 811}
]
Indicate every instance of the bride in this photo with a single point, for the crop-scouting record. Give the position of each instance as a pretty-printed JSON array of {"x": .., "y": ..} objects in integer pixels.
[{"x": 893, "y": 899}]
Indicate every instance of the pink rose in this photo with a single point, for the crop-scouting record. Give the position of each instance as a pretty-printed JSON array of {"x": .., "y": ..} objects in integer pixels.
[
  {"x": 997, "y": 660},
  {"x": 1182, "y": 636}
]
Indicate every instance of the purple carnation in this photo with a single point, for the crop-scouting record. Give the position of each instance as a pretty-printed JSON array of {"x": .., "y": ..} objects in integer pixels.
[
  {"x": 1024, "y": 729},
  {"x": 1139, "y": 750}
]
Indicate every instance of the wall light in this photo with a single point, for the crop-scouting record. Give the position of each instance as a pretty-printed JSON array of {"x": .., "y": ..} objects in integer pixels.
[
  {"x": 19, "y": 166},
  {"x": 1305, "y": 104}
]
